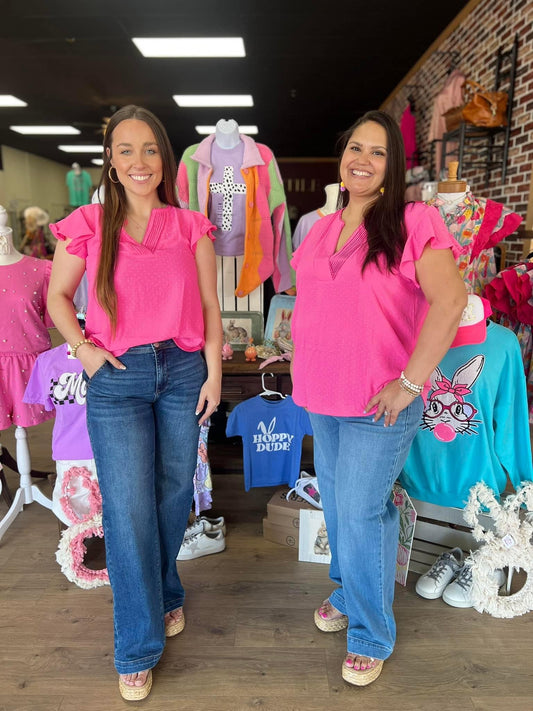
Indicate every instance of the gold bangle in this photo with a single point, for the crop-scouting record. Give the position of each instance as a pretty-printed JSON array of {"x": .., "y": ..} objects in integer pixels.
[
  {"x": 409, "y": 385},
  {"x": 74, "y": 349},
  {"x": 407, "y": 389}
]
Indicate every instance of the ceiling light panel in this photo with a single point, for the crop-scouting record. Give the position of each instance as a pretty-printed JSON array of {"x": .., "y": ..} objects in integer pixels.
[
  {"x": 208, "y": 130},
  {"x": 81, "y": 149},
  {"x": 46, "y": 130},
  {"x": 190, "y": 46},
  {"x": 97, "y": 161},
  {"x": 10, "y": 100},
  {"x": 189, "y": 100}
]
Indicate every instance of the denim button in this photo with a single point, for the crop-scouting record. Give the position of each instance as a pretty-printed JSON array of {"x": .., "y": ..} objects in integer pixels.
[{"x": 156, "y": 345}]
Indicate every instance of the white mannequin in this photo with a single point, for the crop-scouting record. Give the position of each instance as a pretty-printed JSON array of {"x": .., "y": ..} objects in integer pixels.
[
  {"x": 332, "y": 195},
  {"x": 227, "y": 134},
  {"x": 8, "y": 253},
  {"x": 27, "y": 492},
  {"x": 76, "y": 167}
]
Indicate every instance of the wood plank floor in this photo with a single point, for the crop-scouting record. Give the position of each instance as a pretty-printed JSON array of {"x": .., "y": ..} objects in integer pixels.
[{"x": 250, "y": 641}]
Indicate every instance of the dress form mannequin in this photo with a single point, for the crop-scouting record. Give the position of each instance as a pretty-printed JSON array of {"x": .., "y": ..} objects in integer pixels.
[
  {"x": 452, "y": 190},
  {"x": 332, "y": 195},
  {"x": 27, "y": 492},
  {"x": 8, "y": 253},
  {"x": 227, "y": 133}
]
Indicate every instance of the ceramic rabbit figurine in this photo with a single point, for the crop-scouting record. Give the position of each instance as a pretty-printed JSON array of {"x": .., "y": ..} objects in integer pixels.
[{"x": 227, "y": 351}]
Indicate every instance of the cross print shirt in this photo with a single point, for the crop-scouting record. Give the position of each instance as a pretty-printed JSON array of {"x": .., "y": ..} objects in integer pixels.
[{"x": 228, "y": 200}]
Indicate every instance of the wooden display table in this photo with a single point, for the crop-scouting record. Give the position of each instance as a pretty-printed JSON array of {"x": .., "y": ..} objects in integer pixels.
[{"x": 242, "y": 380}]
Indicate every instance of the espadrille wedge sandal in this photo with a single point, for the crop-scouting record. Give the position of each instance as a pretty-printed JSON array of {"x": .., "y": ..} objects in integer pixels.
[
  {"x": 175, "y": 626},
  {"x": 333, "y": 624},
  {"x": 362, "y": 677},
  {"x": 135, "y": 693}
]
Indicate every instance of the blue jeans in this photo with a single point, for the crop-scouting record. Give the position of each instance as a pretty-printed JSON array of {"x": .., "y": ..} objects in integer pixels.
[
  {"x": 357, "y": 461},
  {"x": 144, "y": 436}
]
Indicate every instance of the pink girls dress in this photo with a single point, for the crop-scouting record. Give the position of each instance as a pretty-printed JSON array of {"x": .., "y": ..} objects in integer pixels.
[{"x": 24, "y": 323}]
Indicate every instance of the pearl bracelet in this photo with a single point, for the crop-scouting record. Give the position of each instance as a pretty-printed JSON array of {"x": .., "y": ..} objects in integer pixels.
[
  {"x": 74, "y": 349},
  {"x": 403, "y": 386},
  {"x": 410, "y": 387}
]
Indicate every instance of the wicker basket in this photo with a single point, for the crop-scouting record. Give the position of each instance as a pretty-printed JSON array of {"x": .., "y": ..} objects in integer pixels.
[{"x": 453, "y": 118}]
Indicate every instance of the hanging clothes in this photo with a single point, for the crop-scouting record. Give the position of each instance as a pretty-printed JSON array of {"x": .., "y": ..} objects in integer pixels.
[
  {"x": 477, "y": 224},
  {"x": 450, "y": 96},
  {"x": 408, "y": 129},
  {"x": 272, "y": 433},
  {"x": 511, "y": 297}
]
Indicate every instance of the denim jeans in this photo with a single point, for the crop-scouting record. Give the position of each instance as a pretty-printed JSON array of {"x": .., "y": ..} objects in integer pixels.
[
  {"x": 357, "y": 461},
  {"x": 144, "y": 436}
]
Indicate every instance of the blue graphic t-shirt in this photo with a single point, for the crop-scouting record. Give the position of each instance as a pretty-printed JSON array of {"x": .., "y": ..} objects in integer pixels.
[{"x": 272, "y": 433}]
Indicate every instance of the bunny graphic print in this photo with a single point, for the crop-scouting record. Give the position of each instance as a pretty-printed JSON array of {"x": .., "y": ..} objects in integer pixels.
[
  {"x": 272, "y": 433},
  {"x": 475, "y": 426}
]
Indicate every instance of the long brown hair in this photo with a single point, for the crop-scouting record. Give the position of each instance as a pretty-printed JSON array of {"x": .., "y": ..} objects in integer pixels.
[
  {"x": 384, "y": 219},
  {"x": 115, "y": 204}
]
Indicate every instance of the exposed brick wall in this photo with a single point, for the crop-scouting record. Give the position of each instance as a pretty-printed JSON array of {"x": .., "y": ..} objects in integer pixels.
[{"x": 490, "y": 25}]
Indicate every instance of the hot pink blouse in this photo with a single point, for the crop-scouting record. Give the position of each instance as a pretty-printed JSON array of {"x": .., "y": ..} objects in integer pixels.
[
  {"x": 354, "y": 332},
  {"x": 156, "y": 282}
]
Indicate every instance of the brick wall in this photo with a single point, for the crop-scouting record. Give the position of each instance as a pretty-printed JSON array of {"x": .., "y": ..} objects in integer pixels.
[{"x": 491, "y": 24}]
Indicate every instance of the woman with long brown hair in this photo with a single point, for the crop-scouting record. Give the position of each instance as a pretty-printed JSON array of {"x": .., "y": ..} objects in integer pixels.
[{"x": 151, "y": 358}]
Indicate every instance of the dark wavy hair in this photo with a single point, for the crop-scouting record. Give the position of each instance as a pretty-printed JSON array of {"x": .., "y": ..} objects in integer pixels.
[
  {"x": 115, "y": 204},
  {"x": 384, "y": 219}
]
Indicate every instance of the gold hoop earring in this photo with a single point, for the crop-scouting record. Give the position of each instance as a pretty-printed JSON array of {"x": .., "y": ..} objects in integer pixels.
[{"x": 109, "y": 175}]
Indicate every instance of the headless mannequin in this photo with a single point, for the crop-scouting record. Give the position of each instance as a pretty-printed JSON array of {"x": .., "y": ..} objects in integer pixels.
[
  {"x": 8, "y": 253},
  {"x": 227, "y": 133},
  {"x": 452, "y": 191},
  {"x": 27, "y": 492},
  {"x": 332, "y": 196}
]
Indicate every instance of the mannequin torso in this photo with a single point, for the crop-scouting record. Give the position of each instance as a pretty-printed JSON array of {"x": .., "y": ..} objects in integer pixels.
[
  {"x": 8, "y": 253},
  {"x": 227, "y": 133},
  {"x": 332, "y": 195}
]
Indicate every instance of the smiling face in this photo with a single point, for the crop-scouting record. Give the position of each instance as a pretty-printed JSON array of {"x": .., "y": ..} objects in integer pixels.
[
  {"x": 136, "y": 158},
  {"x": 364, "y": 161}
]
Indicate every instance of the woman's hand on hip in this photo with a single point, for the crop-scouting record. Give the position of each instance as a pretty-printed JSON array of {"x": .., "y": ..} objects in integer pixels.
[
  {"x": 390, "y": 401},
  {"x": 92, "y": 358},
  {"x": 208, "y": 400}
]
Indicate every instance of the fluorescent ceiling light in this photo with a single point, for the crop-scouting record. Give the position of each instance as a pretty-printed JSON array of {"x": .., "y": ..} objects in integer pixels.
[
  {"x": 46, "y": 130},
  {"x": 208, "y": 130},
  {"x": 187, "y": 100},
  {"x": 81, "y": 149},
  {"x": 190, "y": 46},
  {"x": 97, "y": 161},
  {"x": 10, "y": 100}
]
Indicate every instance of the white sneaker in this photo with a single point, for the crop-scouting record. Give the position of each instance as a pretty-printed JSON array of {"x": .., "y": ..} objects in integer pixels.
[
  {"x": 459, "y": 592},
  {"x": 202, "y": 524},
  {"x": 306, "y": 487},
  {"x": 201, "y": 544},
  {"x": 432, "y": 584}
]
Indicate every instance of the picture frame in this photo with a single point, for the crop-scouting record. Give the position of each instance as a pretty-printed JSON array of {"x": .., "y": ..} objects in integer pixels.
[
  {"x": 313, "y": 545},
  {"x": 279, "y": 316},
  {"x": 240, "y": 326}
]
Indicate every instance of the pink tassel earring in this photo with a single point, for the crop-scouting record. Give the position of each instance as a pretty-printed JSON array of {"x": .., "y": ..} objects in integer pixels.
[{"x": 342, "y": 186}]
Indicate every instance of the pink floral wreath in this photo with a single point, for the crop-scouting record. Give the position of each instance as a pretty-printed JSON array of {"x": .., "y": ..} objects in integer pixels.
[{"x": 72, "y": 550}]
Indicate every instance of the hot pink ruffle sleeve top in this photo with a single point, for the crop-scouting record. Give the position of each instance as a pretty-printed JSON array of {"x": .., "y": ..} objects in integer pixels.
[
  {"x": 354, "y": 332},
  {"x": 156, "y": 282}
]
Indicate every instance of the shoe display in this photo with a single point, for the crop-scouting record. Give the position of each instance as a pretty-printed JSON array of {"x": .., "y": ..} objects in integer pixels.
[
  {"x": 459, "y": 592},
  {"x": 203, "y": 524},
  {"x": 204, "y": 543},
  {"x": 306, "y": 487},
  {"x": 432, "y": 584}
]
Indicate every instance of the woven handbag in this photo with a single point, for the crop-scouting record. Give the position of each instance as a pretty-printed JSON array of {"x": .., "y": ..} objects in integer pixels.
[{"x": 483, "y": 107}]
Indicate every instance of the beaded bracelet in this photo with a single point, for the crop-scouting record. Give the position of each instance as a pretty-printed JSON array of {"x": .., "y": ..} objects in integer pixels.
[
  {"x": 74, "y": 349},
  {"x": 410, "y": 387}
]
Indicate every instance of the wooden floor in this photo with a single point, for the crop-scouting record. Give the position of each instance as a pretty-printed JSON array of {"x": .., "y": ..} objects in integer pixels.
[{"x": 250, "y": 641}]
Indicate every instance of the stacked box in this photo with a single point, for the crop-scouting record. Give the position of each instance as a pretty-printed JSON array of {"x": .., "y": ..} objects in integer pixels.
[{"x": 283, "y": 518}]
